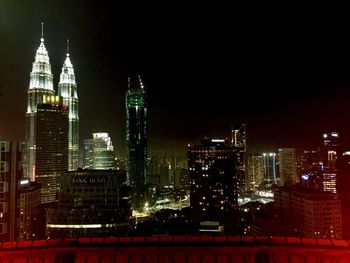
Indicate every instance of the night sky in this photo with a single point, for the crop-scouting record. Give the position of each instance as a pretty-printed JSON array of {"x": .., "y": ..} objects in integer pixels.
[{"x": 286, "y": 73}]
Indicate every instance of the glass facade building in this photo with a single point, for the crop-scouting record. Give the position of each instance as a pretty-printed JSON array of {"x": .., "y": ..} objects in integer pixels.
[
  {"x": 102, "y": 152},
  {"x": 136, "y": 140},
  {"x": 51, "y": 146}
]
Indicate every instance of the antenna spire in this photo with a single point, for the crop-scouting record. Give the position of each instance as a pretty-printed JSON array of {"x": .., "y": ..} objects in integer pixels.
[
  {"x": 42, "y": 32},
  {"x": 141, "y": 84},
  {"x": 67, "y": 47}
]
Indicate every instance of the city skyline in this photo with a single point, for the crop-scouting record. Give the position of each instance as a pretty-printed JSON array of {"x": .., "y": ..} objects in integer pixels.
[{"x": 199, "y": 72}]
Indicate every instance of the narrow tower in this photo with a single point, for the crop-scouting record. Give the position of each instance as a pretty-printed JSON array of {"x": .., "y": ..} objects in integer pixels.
[
  {"x": 136, "y": 140},
  {"x": 67, "y": 88},
  {"x": 40, "y": 84}
]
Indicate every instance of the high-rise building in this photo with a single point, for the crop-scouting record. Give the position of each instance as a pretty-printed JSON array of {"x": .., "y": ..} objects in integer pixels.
[
  {"x": 322, "y": 179},
  {"x": 10, "y": 172},
  {"x": 51, "y": 155},
  {"x": 136, "y": 140},
  {"x": 92, "y": 203},
  {"x": 331, "y": 139},
  {"x": 330, "y": 148},
  {"x": 88, "y": 154},
  {"x": 270, "y": 166},
  {"x": 29, "y": 201},
  {"x": 41, "y": 83},
  {"x": 255, "y": 171},
  {"x": 67, "y": 88},
  {"x": 239, "y": 140},
  {"x": 102, "y": 152},
  {"x": 312, "y": 213},
  {"x": 213, "y": 180},
  {"x": 287, "y": 164},
  {"x": 307, "y": 159}
]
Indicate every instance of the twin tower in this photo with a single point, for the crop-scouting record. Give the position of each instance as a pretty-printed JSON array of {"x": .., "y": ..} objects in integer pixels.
[{"x": 42, "y": 106}]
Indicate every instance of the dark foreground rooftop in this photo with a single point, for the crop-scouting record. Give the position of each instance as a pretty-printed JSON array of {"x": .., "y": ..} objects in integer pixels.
[{"x": 178, "y": 249}]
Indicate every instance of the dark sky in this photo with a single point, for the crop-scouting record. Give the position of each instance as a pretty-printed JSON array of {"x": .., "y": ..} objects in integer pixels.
[{"x": 285, "y": 73}]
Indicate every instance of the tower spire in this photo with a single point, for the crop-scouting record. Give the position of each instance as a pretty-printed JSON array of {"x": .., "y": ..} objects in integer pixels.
[
  {"x": 67, "y": 47},
  {"x": 42, "y": 32},
  {"x": 141, "y": 84}
]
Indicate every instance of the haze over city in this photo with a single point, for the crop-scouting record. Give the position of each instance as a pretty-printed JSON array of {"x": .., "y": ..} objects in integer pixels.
[{"x": 203, "y": 67}]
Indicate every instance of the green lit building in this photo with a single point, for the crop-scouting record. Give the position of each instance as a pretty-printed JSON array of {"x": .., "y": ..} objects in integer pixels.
[{"x": 136, "y": 140}]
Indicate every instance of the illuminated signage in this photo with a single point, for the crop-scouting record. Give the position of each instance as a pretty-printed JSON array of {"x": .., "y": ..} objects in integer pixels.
[
  {"x": 24, "y": 182},
  {"x": 89, "y": 180},
  {"x": 217, "y": 140}
]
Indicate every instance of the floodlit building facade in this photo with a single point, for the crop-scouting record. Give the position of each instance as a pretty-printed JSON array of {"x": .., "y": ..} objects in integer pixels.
[
  {"x": 67, "y": 88},
  {"x": 41, "y": 83},
  {"x": 102, "y": 152}
]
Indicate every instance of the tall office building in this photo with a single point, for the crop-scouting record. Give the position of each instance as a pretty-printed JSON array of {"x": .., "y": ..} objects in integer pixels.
[
  {"x": 307, "y": 159},
  {"x": 51, "y": 126},
  {"x": 323, "y": 179},
  {"x": 136, "y": 140},
  {"x": 255, "y": 171},
  {"x": 10, "y": 172},
  {"x": 67, "y": 88},
  {"x": 239, "y": 140},
  {"x": 88, "y": 154},
  {"x": 213, "y": 180},
  {"x": 330, "y": 148},
  {"x": 287, "y": 164},
  {"x": 102, "y": 152},
  {"x": 270, "y": 167},
  {"x": 40, "y": 84}
]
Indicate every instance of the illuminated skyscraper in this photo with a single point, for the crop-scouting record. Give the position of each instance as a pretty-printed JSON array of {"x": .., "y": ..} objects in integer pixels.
[
  {"x": 136, "y": 140},
  {"x": 287, "y": 166},
  {"x": 213, "y": 180},
  {"x": 329, "y": 150},
  {"x": 102, "y": 152},
  {"x": 88, "y": 154},
  {"x": 67, "y": 88},
  {"x": 270, "y": 174},
  {"x": 239, "y": 141},
  {"x": 255, "y": 171},
  {"x": 40, "y": 84},
  {"x": 51, "y": 146}
]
